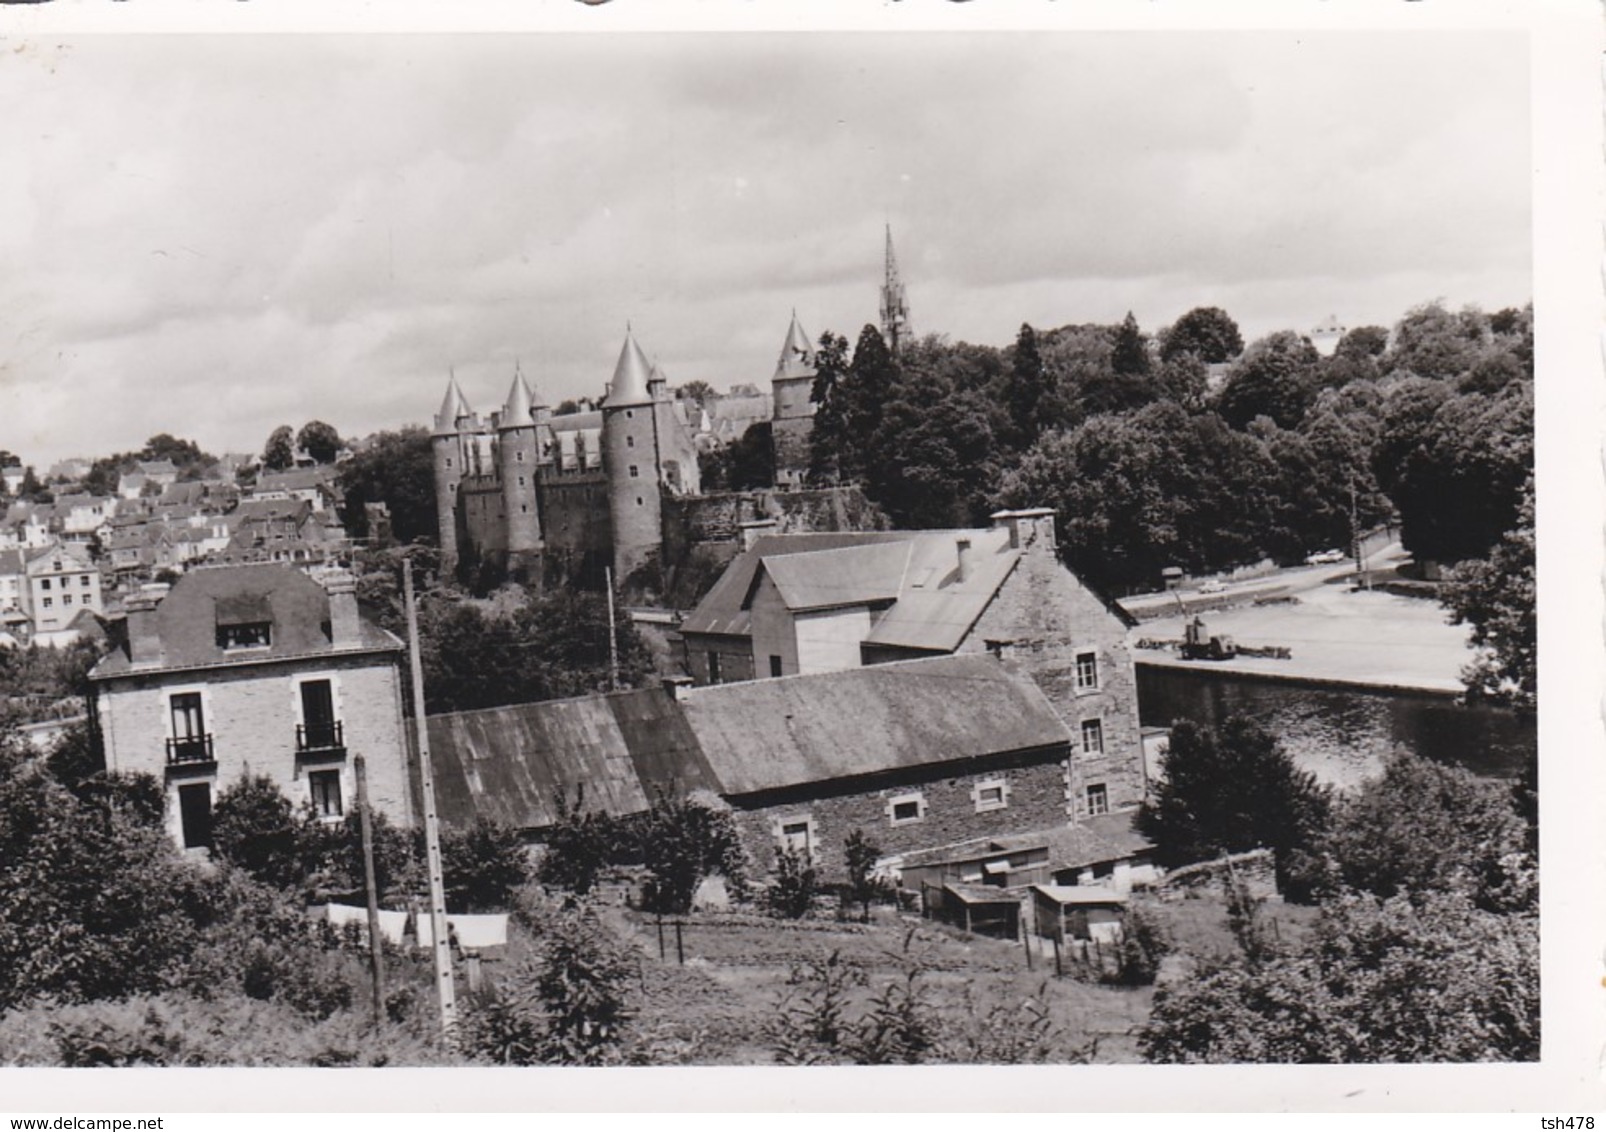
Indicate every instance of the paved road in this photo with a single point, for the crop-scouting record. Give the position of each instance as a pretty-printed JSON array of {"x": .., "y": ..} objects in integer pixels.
[{"x": 1292, "y": 580}]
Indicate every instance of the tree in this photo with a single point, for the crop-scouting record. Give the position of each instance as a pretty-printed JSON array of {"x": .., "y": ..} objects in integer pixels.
[
  {"x": 1498, "y": 597},
  {"x": 279, "y": 453},
  {"x": 1432, "y": 342},
  {"x": 1272, "y": 379},
  {"x": 398, "y": 470},
  {"x": 698, "y": 391},
  {"x": 97, "y": 902},
  {"x": 320, "y": 441},
  {"x": 1028, "y": 385},
  {"x": 1129, "y": 354},
  {"x": 829, "y": 436},
  {"x": 1362, "y": 342},
  {"x": 1423, "y": 827},
  {"x": 1206, "y": 333},
  {"x": 791, "y": 894},
  {"x": 861, "y": 855},
  {"x": 746, "y": 463},
  {"x": 1230, "y": 790},
  {"x": 483, "y": 866},
  {"x": 1380, "y": 981},
  {"x": 683, "y": 840},
  {"x": 255, "y": 828},
  {"x": 185, "y": 455}
]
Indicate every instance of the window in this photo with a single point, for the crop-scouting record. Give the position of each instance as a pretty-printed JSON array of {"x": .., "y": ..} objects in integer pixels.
[
  {"x": 521, "y": 479},
  {"x": 715, "y": 674},
  {"x": 905, "y": 809},
  {"x": 630, "y": 442},
  {"x": 84, "y": 581},
  {"x": 1098, "y": 800},
  {"x": 796, "y": 834},
  {"x": 66, "y": 599},
  {"x": 992, "y": 794},
  {"x": 448, "y": 463},
  {"x": 1087, "y": 671},
  {"x": 195, "y": 814},
  {"x": 775, "y": 666},
  {"x": 47, "y": 603},
  {"x": 320, "y": 730},
  {"x": 325, "y": 786},
  {"x": 519, "y": 456},
  {"x": 1092, "y": 737},
  {"x": 246, "y": 635},
  {"x": 634, "y": 471},
  {"x": 44, "y": 583},
  {"x": 638, "y": 501}
]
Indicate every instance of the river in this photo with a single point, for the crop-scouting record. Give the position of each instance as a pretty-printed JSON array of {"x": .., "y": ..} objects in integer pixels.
[{"x": 1342, "y": 735}]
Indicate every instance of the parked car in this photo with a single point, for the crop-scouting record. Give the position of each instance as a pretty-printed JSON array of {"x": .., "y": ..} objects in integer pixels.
[
  {"x": 1214, "y": 586},
  {"x": 1325, "y": 558}
]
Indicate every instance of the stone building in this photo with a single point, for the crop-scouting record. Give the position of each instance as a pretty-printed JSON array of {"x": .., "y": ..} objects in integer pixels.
[
  {"x": 62, "y": 582},
  {"x": 916, "y": 754},
  {"x": 811, "y": 603},
  {"x": 254, "y": 670}
]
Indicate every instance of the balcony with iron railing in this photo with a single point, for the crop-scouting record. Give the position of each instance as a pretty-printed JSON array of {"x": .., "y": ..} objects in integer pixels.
[
  {"x": 190, "y": 749},
  {"x": 326, "y": 738}
]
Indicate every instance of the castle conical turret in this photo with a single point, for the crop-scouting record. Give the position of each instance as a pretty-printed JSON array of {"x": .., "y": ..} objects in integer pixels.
[
  {"x": 519, "y": 412},
  {"x": 630, "y": 377},
  {"x": 453, "y": 408},
  {"x": 797, "y": 355}
]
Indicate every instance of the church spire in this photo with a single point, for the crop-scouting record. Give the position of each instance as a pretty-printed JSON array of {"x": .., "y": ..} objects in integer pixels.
[{"x": 894, "y": 304}]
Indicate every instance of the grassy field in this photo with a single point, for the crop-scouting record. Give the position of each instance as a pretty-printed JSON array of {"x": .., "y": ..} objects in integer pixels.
[{"x": 720, "y": 1007}]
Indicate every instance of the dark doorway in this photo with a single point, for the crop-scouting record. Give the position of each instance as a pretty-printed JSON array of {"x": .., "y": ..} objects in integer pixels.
[{"x": 195, "y": 810}]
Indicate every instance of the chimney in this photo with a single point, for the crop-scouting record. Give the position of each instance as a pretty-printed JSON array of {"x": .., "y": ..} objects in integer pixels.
[
  {"x": 1033, "y": 526},
  {"x": 967, "y": 560},
  {"x": 144, "y": 642},
  {"x": 754, "y": 530},
  {"x": 675, "y": 686},
  {"x": 345, "y": 627}
]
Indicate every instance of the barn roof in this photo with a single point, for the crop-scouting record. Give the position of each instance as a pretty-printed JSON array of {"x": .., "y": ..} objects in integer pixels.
[
  {"x": 512, "y": 764},
  {"x": 794, "y": 730}
]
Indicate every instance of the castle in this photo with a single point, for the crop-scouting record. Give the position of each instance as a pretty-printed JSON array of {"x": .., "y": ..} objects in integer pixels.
[{"x": 545, "y": 496}]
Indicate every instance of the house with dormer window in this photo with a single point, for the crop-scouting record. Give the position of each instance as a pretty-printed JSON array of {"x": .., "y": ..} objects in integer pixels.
[{"x": 259, "y": 670}]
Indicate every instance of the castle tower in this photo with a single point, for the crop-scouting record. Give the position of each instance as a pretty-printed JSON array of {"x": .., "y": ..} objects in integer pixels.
[
  {"x": 630, "y": 458},
  {"x": 791, "y": 389},
  {"x": 518, "y": 450},
  {"x": 894, "y": 304},
  {"x": 447, "y": 441}
]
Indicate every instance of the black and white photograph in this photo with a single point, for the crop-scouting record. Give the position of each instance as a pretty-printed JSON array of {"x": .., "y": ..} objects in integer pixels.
[{"x": 806, "y": 549}]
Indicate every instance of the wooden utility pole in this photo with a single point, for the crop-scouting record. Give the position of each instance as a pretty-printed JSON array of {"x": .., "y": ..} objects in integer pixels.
[
  {"x": 432, "y": 835},
  {"x": 376, "y": 951},
  {"x": 613, "y": 636}
]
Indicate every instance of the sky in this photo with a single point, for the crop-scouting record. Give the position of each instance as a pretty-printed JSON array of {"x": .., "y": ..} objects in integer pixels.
[{"x": 214, "y": 235}]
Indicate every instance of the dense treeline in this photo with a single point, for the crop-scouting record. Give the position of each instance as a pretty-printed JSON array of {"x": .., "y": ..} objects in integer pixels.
[
  {"x": 1430, "y": 423},
  {"x": 1426, "y": 947}
]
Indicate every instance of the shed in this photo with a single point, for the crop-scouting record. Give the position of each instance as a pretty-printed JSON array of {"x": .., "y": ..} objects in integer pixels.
[
  {"x": 980, "y": 909},
  {"x": 1077, "y": 912}
]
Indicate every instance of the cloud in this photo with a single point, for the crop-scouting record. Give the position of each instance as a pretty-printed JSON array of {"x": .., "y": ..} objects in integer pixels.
[{"x": 212, "y": 236}]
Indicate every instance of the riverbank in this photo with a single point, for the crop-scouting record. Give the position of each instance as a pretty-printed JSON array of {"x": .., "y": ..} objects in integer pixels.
[{"x": 1339, "y": 638}]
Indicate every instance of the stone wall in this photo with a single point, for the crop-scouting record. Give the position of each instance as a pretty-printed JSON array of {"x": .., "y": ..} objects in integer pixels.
[
  {"x": 1043, "y": 617},
  {"x": 1035, "y": 792},
  {"x": 251, "y": 713}
]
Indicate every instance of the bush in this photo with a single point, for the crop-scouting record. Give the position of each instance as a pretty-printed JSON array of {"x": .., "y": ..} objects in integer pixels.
[
  {"x": 1144, "y": 942},
  {"x": 861, "y": 854},
  {"x": 579, "y": 845},
  {"x": 483, "y": 866},
  {"x": 254, "y": 827},
  {"x": 568, "y": 1004},
  {"x": 683, "y": 840},
  {"x": 791, "y": 896}
]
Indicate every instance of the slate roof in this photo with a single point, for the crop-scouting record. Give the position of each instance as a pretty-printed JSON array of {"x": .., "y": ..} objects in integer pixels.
[
  {"x": 295, "y": 479},
  {"x": 11, "y": 562},
  {"x": 771, "y": 734},
  {"x": 1091, "y": 841},
  {"x": 512, "y": 763},
  {"x": 188, "y": 616},
  {"x": 630, "y": 377},
  {"x": 932, "y": 608},
  {"x": 849, "y": 575}
]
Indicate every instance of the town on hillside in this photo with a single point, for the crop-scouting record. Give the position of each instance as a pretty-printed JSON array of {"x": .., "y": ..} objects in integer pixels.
[{"x": 1053, "y": 702}]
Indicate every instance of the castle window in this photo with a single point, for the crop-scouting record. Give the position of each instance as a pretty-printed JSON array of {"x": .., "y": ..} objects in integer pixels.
[
  {"x": 1092, "y": 737},
  {"x": 519, "y": 456},
  {"x": 1087, "y": 671},
  {"x": 638, "y": 501},
  {"x": 521, "y": 481},
  {"x": 630, "y": 442},
  {"x": 634, "y": 470},
  {"x": 448, "y": 463},
  {"x": 1098, "y": 800}
]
